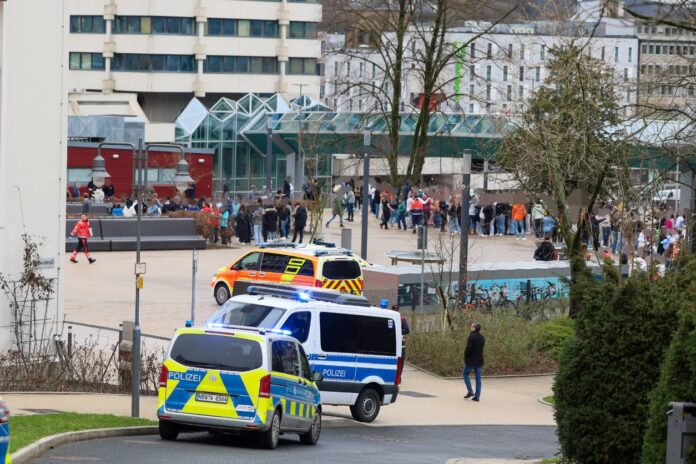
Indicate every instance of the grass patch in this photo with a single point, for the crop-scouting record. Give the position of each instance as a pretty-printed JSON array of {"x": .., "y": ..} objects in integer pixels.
[
  {"x": 25, "y": 430},
  {"x": 550, "y": 399},
  {"x": 514, "y": 345}
]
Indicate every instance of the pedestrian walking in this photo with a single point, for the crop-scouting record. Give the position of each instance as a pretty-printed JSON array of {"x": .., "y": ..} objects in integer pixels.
[
  {"x": 386, "y": 213},
  {"x": 336, "y": 210},
  {"x": 519, "y": 214},
  {"x": 83, "y": 232},
  {"x": 269, "y": 223},
  {"x": 473, "y": 360},
  {"x": 350, "y": 204},
  {"x": 257, "y": 222}
]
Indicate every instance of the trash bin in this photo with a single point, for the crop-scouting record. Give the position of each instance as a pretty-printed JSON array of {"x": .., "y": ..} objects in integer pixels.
[{"x": 681, "y": 431}]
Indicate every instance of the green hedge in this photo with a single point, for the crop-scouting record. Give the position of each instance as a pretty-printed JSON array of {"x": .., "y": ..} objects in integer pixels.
[
  {"x": 608, "y": 368},
  {"x": 677, "y": 383},
  {"x": 513, "y": 345}
]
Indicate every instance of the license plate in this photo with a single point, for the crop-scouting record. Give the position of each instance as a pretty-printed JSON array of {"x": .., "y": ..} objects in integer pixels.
[{"x": 211, "y": 398}]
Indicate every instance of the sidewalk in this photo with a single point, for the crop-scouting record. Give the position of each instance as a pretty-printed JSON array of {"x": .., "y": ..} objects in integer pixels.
[{"x": 423, "y": 400}]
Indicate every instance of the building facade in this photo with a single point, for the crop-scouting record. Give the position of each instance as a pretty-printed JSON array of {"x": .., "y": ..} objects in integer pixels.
[
  {"x": 32, "y": 160},
  {"x": 167, "y": 51},
  {"x": 496, "y": 72}
]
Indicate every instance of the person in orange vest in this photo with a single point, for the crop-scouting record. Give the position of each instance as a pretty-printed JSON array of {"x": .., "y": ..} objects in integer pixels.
[
  {"x": 83, "y": 232},
  {"x": 519, "y": 214}
]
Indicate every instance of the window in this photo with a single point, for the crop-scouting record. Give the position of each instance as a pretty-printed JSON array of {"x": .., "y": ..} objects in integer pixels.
[
  {"x": 242, "y": 28},
  {"x": 161, "y": 175},
  {"x": 241, "y": 64},
  {"x": 348, "y": 68},
  {"x": 644, "y": 49},
  {"x": 272, "y": 262},
  {"x": 156, "y": 25},
  {"x": 505, "y": 73},
  {"x": 602, "y": 54},
  {"x": 509, "y": 53},
  {"x": 473, "y": 49},
  {"x": 248, "y": 315},
  {"x": 297, "y": 325},
  {"x": 625, "y": 74},
  {"x": 471, "y": 107},
  {"x": 87, "y": 24},
  {"x": 219, "y": 351},
  {"x": 488, "y": 91},
  {"x": 542, "y": 52},
  {"x": 472, "y": 89},
  {"x": 521, "y": 73},
  {"x": 248, "y": 263},
  {"x": 489, "y": 52},
  {"x": 509, "y": 93},
  {"x": 616, "y": 53},
  {"x": 472, "y": 72},
  {"x": 302, "y": 66},
  {"x": 336, "y": 68},
  {"x": 362, "y": 69},
  {"x": 630, "y": 54},
  {"x": 150, "y": 63},
  {"x": 348, "y": 333},
  {"x": 374, "y": 70},
  {"x": 284, "y": 358},
  {"x": 522, "y": 52},
  {"x": 521, "y": 92},
  {"x": 537, "y": 74},
  {"x": 86, "y": 61},
  {"x": 79, "y": 175},
  {"x": 341, "y": 270},
  {"x": 302, "y": 30},
  {"x": 489, "y": 70},
  {"x": 305, "y": 368}
]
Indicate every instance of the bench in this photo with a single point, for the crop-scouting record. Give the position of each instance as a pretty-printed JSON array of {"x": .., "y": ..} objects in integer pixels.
[{"x": 119, "y": 234}]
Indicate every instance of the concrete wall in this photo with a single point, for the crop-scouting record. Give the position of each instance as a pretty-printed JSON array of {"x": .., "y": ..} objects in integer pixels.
[{"x": 33, "y": 126}]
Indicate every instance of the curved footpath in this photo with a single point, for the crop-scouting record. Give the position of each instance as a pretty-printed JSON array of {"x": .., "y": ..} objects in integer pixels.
[{"x": 423, "y": 400}]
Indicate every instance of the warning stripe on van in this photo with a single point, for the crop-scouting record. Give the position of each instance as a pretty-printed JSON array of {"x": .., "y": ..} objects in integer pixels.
[{"x": 346, "y": 286}]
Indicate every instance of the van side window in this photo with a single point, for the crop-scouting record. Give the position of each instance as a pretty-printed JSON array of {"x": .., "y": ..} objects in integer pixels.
[
  {"x": 248, "y": 263},
  {"x": 341, "y": 269},
  {"x": 306, "y": 370},
  {"x": 272, "y": 262},
  {"x": 298, "y": 325},
  {"x": 349, "y": 333},
  {"x": 284, "y": 358}
]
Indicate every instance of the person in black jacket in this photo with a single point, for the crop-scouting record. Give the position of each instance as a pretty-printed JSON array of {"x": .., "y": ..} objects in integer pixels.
[
  {"x": 269, "y": 223},
  {"x": 300, "y": 216},
  {"x": 473, "y": 360}
]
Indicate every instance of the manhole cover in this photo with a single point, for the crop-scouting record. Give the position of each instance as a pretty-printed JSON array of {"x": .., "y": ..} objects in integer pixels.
[
  {"x": 415, "y": 394},
  {"x": 43, "y": 411}
]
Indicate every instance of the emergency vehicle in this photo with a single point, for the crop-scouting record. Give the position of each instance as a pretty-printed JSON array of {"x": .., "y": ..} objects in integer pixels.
[
  {"x": 238, "y": 378},
  {"x": 4, "y": 433},
  {"x": 356, "y": 347},
  {"x": 295, "y": 264}
]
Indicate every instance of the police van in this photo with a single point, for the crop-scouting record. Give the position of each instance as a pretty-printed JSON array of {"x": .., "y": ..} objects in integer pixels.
[{"x": 356, "y": 347}]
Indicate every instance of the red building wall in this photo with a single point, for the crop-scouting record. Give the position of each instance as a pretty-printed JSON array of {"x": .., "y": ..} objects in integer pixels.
[{"x": 80, "y": 155}]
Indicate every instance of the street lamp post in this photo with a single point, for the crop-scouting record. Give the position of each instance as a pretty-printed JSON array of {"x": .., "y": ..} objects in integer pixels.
[
  {"x": 365, "y": 193},
  {"x": 464, "y": 235},
  {"x": 269, "y": 154},
  {"x": 182, "y": 180}
]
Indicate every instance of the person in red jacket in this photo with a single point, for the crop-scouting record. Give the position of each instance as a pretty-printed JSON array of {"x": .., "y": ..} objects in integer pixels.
[{"x": 83, "y": 231}]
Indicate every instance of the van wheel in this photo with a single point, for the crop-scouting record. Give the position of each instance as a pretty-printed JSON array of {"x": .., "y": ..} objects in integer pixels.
[
  {"x": 222, "y": 293},
  {"x": 311, "y": 437},
  {"x": 367, "y": 407},
  {"x": 168, "y": 431},
  {"x": 269, "y": 438}
]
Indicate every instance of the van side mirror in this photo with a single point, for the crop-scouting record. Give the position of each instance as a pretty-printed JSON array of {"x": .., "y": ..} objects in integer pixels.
[{"x": 317, "y": 376}]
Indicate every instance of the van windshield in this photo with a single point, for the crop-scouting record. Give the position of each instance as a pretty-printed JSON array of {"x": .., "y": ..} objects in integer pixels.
[
  {"x": 247, "y": 315},
  {"x": 209, "y": 351},
  {"x": 341, "y": 270}
]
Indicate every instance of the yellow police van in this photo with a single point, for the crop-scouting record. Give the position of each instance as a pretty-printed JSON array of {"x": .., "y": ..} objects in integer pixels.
[{"x": 237, "y": 378}]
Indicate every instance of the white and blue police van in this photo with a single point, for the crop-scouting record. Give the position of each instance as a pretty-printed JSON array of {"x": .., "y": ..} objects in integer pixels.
[{"x": 355, "y": 346}]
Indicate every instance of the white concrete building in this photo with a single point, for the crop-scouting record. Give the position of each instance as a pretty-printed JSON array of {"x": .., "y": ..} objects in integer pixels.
[
  {"x": 168, "y": 51},
  {"x": 496, "y": 73},
  {"x": 32, "y": 146}
]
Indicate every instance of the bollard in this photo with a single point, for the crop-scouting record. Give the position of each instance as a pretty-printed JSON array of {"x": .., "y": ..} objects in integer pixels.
[{"x": 347, "y": 238}]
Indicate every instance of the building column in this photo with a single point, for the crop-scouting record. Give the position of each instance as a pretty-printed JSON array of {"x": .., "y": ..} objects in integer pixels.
[
  {"x": 199, "y": 49},
  {"x": 282, "y": 52},
  {"x": 108, "y": 83}
]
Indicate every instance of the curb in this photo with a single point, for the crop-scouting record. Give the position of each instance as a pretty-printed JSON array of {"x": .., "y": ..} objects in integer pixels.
[
  {"x": 541, "y": 400},
  {"x": 39, "y": 447},
  {"x": 502, "y": 376}
]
